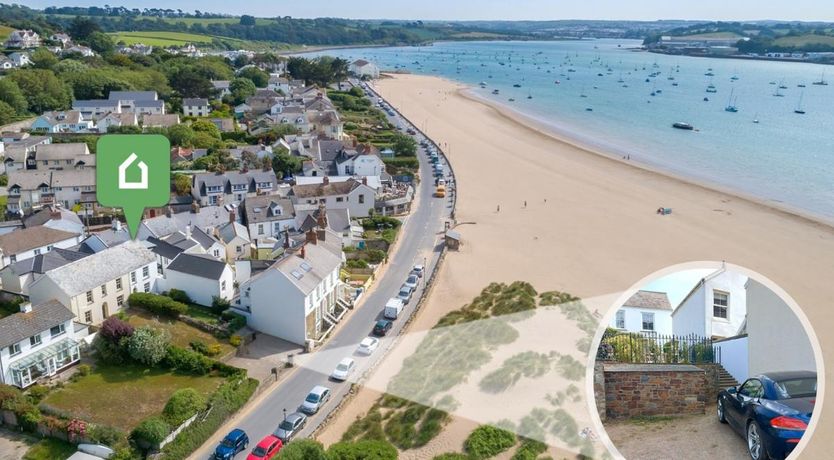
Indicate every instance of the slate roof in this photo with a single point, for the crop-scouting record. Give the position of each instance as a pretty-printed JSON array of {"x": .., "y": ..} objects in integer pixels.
[
  {"x": 319, "y": 190},
  {"x": 166, "y": 120},
  {"x": 20, "y": 326},
  {"x": 307, "y": 273},
  {"x": 30, "y": 238},
  {"x": 43, "y": 263},
  {"x": 199, "y": 265},
  {"x": 230, "y": 230},
  {"x": 132, "y": 96},
  {"x": 194, "y": 101},
  {"x": 259, "y": 208},
  {"x": 163, "y": 248},
  {"x": 650, "y": 300},
  {"x": 45, "y": 215}
]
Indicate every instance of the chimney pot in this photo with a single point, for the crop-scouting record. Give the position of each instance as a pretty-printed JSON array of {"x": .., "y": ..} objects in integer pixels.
[
  {"x": 312, "y": 237},
  {"x": 326, "y": 180},
  {"x": 231, "y": 216}
]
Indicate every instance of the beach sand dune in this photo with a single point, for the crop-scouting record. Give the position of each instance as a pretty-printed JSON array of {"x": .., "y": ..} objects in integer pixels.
[{"x": 589, "y": 226}]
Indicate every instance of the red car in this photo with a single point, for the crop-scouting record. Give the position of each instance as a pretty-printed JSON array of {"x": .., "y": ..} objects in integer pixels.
[{"x": 267, "y": 449}]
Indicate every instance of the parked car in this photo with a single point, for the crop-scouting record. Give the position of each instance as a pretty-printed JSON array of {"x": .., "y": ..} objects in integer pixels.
[
  {"x": 382, "y": 327},
  {"x": 235, "y": 442},
  {"x": 418, "y": 270},
  {"x": 411, "y": 131},
  {"x": 290, "y": 426},
  {"x": 315, "y": 399},
  {"x": 393, "y": 308},
  {"x": 343, "y": 370},
  {"x": 368, "y": 345},
  {"x": 771, "y": 411},
  {"x": 267, "y": 449},
  {"x": 405, "y": 294},
  {"x": 412, "y": 281}
]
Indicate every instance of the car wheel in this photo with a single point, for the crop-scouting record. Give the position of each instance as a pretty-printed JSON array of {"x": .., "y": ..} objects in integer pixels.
[
  {"x": 755, "y": 443},
  {"x": 721, "y": 417}
]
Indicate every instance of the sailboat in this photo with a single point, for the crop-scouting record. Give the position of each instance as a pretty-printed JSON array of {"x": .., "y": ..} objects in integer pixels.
[
  {"x": 756, "y": 119},
  {"x": 731, "y": 104},
  {"x": 711, "y": 88},
  {"x": 821, "y": 81},
  {"x": 778, "y": 93},
  {"x": 799, "y": 110}
]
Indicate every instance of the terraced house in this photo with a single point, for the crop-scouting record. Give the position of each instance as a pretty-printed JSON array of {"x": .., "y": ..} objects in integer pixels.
[
  {"x": 138, "y": 102},
  {"x": 213, "y": 189}
]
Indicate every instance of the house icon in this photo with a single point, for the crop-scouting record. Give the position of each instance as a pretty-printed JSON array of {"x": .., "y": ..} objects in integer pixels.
[{"x": 142, "y": 184}]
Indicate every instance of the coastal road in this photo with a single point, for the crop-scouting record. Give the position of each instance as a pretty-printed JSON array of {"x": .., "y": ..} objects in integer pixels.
[{"x": 419, "y": 243}]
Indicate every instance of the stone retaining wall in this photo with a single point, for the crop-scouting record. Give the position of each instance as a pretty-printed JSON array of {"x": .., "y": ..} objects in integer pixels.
[{"x": 633, "y": 390}]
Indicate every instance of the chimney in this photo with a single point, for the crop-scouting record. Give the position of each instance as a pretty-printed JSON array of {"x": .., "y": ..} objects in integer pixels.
[
  {"x": 321, "y": 234},
  {"x": 169, "y": 211},
  {"x": 286, "y": 239},
  {"x": 321, "y": 220},
  {"x": 303, "y": 253},
  {"x": 26, "y": 307},
  {"x": 325, "y": 180},
  {"x": 195, "y": 207},
  {"x": 364, "y": 180},
  {"x": 117, "y": 225},
  {"x": 312, "y": 237},
  {"x": 231, "y": 217},
  {"x": 188, "y": 231}
]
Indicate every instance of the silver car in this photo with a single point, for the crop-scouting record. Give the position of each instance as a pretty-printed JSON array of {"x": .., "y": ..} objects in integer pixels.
[
  {"x": 412, "y": 281},
  {"x": 315, "y": 399},
  {"x": 290, "y": 426}
]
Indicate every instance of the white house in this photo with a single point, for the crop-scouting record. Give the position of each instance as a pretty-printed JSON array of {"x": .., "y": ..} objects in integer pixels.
[
  {"x": 97, "y": 286},
  {"x": 776, "y": 338},
  {"x": 20, "y": 59},
  {"x": 195, "y": 107},
  {"x": 29, "y": 242},
  {"x": 296, "y": 297},
  {"x": 266, "y": 216},
  {"x": 364, "y": 69},
  {"x": 37, "y": 342},
  {"x": 645, "y": 312},
  {"x": 222, "y": 87},
  {"x": 354, "y": 195},
  {"x": 201, "y": 277},
  {"x": 70, "y": 121},
  {"x": 24, "y": 38},
  {"x": 361, "y": 165},
  {"x": 56, "y": 218},
  {"x": 116, "y": 120},
  {"x": 17, "y": 277},
  {"x": 715, "y": 307}
]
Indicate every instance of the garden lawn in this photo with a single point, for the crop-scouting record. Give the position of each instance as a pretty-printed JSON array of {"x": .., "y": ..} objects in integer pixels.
[
  {"x": 160, "y": 38},
  {"x": 49, "y": 449},
  {"x": 181, "y": 334},
  {"x": 122, "y": 396}
]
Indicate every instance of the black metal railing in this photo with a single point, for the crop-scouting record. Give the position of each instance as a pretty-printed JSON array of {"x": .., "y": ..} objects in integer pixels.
[{"x": 649, "y": 348}]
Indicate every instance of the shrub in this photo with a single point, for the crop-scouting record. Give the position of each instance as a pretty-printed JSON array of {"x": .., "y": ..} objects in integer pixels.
[
  {"x": 375, "y": 222},
  {"x": 108, "y": 351},
  {"x": 184, "y": 403},
  {"x": 199, "y": 346},
  {"x": 148, "y": 345},
  {"x": 83, "y": 370},
  {"x": 226, "y": 370},
  {"x": 488, "y": 441},
  {"x": 36, "y": 393},
  {"x": 214, "y": 349},
  {"x": 103, "y": 434},
  {"x": 362, "y": 450},
  {"x": 357, "y": 263},
  {"x": 187, "y": 361},
  {"x": 235, "y": 340},
  {"x": 375, "y": 256},
  {"x": 303, "y": 449},
  {"x": 451, "y": 456},
  {"x": 179, "y": 295},
  {"x": 219, "y": 304},
  {"x": 236, "y": 321},
  {"x": 157, "y": 304},
  {"x": 389, "y": 235},
  {"x": 152, "y": 431},
  {"x": 114, "y": 329}
]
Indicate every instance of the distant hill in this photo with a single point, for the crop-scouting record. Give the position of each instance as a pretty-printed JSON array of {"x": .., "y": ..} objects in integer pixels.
[{"x": 760, "y": 37}]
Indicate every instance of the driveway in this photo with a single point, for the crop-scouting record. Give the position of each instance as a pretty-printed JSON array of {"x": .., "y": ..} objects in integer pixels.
[
  {"x": 263, "y": 354},
  {"x": 12, "y": 445},
  {"x": 694, "y": 437}
]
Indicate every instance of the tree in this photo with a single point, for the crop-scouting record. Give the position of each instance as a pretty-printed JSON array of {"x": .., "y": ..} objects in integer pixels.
[
  {"x": 258, "y": 76},
  {"x": 205, "y": 126},
  {"x": 80, "y": 28},
  {"x": 203, "y": 140},
  {"x": 302, "y": 449},
  {"x": 148, "y": 345},
  {"x": 189, "y": 83},
  {"x": 7, "y": 113},
  {"x": 11, "y": 94},
  {"x": 114, "y": 329},
  {"x": 241, "y": 88},
  {"x": 42, "y": 58},
  {"x": 182, "y": 184},
  {"x": 247, "y": 20},
  {"x": 404, "y": 145},
  {"x": 362, "y": 450},
  {"x": 285, "y": 164},
  {"x": 181, "y": 135},
  {"x": 100, "y": 43},
  {"x": 42, "y": 89}
]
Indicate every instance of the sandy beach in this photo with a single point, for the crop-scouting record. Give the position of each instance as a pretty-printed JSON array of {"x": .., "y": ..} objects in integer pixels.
[{"x": 589, "y": 225}]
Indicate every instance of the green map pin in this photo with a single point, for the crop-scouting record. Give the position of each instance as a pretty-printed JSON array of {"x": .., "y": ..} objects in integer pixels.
[{"x": 133, "y": 172}]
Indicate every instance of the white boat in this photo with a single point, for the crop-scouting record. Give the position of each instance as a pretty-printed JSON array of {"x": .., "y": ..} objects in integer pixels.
[{"x": 799, "y": 110}]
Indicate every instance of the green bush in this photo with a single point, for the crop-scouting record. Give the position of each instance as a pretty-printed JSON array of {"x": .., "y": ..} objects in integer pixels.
[
  {"x": 148, "y": 345},
  {"x": 362, "y": 450},
  {"x": 357, "y": 263},
  {"x": 488, "y": 441},
  {"x": 236, "y": 320},
  {"x": 199, "y": 346},
  {"x": 157, "y": 304},
  {"x": 187, "y": 361},
  {"x": 374, "y": 256},
  {"x": 36, "y": 393},
  {"x": 235, "y": 340},
  {"x": 152, "y": 431},
  {"x": 228, "y": 398},
  {"x": 451, "y": 456},
  {"x": 375, "y": 222},
  {"x": 182, "y": 405},
  {"x": 303, "y": 449},
  {"x": 103, "y": 434},
  {"x": 389, "y": 235},
  {"x": 179, "y": 296},
  {"x": 83, "y": 370},
  {"x": 219, "y": 304},
  {"x": 226, "y": 370}
]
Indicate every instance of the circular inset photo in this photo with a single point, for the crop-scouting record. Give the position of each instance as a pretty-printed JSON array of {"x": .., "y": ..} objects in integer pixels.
[{"x": 706, "y": 360}]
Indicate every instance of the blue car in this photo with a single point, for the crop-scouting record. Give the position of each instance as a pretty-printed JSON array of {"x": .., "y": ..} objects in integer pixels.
[
  {"x": 234, "y": 443},
  {"x": 771, "y": 411}
]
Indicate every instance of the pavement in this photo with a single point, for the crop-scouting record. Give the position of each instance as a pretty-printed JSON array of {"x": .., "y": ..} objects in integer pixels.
[
  {"x": 420, "y": 242},
  {"x": 13, "y": 445}
]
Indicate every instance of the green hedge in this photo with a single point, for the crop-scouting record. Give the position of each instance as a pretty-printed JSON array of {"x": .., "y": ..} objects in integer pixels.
[
  {"x": 487, "y": 441},
  {"x": 187, "y": 361},
  {"x": 236, "y": 320},
  {"x": 151, "y": 431},
  {"x": 227, "y": 400},
  {"x": 182, "y": 405},
  {"x": 373, "y": 223},
  {"x": 157, "y": 304},
  {"x": 178, "y": 295},
  {"x": 403, "y": 162}
]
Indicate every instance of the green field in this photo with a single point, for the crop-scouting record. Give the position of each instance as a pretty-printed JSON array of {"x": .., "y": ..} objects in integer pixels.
[
  {"x": 805, "y": 40},
  {"x": 160, "y": 38},
  {"x": 713, "y": 35},
  {"x": 5, "y": 31}
]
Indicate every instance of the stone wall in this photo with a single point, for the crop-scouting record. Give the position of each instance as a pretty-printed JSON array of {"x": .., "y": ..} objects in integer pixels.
[
  {"x": 599, "y": 389},
  {"x": 712, "y": 374},
  {"x": 633, "y": 390}
]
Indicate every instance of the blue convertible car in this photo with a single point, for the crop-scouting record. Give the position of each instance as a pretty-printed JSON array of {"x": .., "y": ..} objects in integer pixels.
[{"x": 771, "y": 411}]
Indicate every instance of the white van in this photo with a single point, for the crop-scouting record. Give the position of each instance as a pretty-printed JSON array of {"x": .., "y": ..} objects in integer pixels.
[{"x": 393, "y": 308}]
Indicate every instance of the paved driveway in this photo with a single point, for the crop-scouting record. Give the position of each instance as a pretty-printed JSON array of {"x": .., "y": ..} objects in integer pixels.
[
  {"x": 693, "y": 437},
  {"x": 12, "y": 445}
]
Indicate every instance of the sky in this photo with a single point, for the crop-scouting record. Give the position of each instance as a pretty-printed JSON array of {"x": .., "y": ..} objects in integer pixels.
[
  {"x": 677, "y": 285},
  {"x": 805, "y": 10}
]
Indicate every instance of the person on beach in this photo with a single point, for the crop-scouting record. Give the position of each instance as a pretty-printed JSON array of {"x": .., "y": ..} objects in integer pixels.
[
  {"x": 498, "y": 208},
  {"x": 525, "y": 203}
]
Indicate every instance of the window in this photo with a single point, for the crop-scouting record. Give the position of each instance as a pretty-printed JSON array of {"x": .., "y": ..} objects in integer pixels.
[
  {"x": 120, "y": 300},
  {"x": 35, "y": 340},
  {"x": 145, "y": 272},
  {"x": 752, "y": 389},
  {"x": 648, "y": 321},
  {"x": 49, "y": 248},
  {"x": 216, "y": 253},
  {"x": 103, "y": 290},
  {"x": 620, "y": 324},
  {"x": 57, "y": 330},
  {"x": 361, "y": 198},
  {"x": 37, "y": 252},
  {"x": 260, "y": 229},
  {"x": 13, "y": 258},
  {"x": 88, "y": 316},
  {"x": 132, "y": 277},
  {"x": 720, "y": 304},
  {"x": 89, "y": 296},
  {"x": 147, "y": 287},
  {"x": 14, "y": 349},
  {"x": 223, "y": 285},
  {"x": 339, "y": 199},
  {"x": 118, "y": 284}
]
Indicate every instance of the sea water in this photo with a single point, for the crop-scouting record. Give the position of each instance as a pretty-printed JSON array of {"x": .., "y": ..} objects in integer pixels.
[{"x": 604, "y": 98}]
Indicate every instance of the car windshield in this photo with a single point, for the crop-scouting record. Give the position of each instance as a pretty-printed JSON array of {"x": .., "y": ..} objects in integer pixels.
[
  {"x": 227, "y": 442},
  {"x": 404, "y": 292},
  {"x": 259, "y": 451},
  {"x": 796, "y": 388},
  {"x": 341, "y": 367},
  {"x": 285, "y": 425},
  {"x": 312, "y": 398}
]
